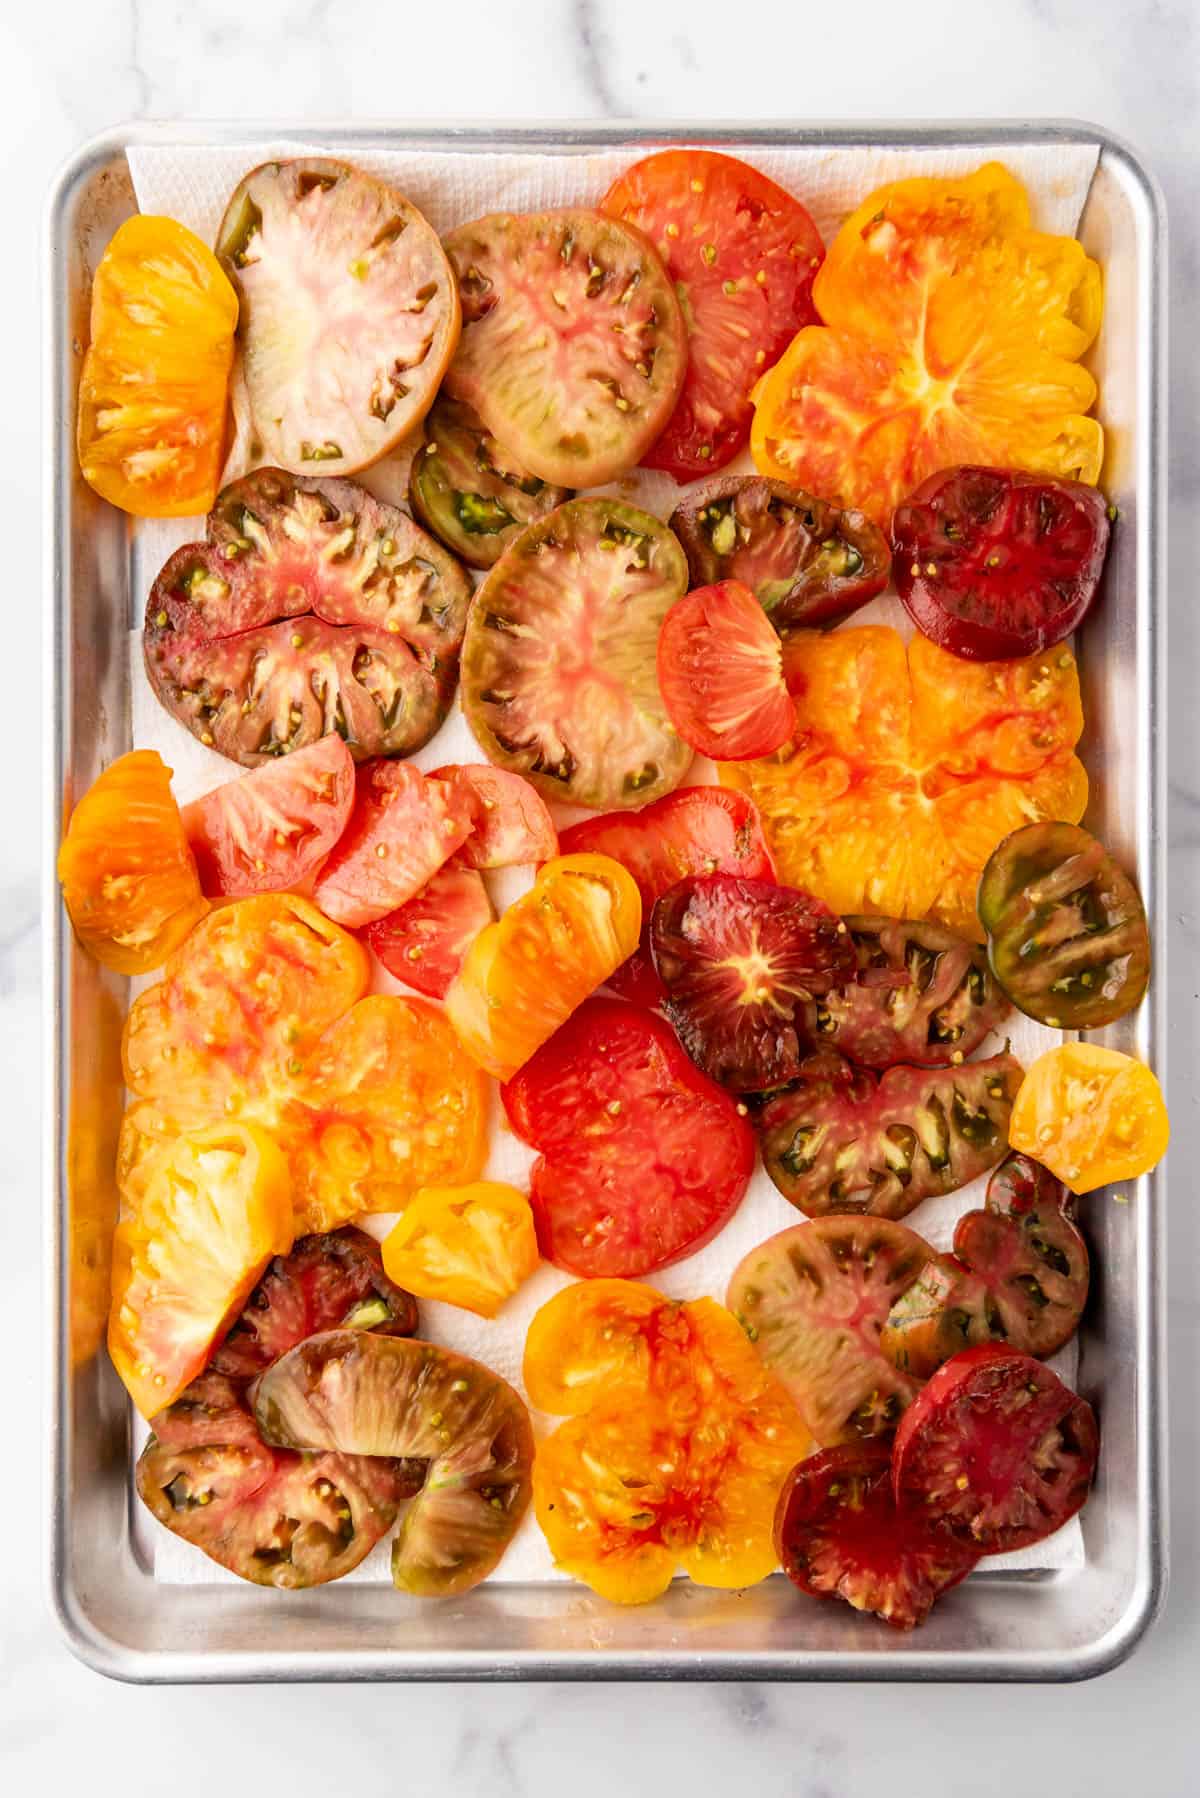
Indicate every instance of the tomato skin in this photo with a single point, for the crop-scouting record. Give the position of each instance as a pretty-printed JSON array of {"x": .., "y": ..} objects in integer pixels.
[
  {"x": 128, "y": 875},
  {"x": 695, "y": 830},
  {"x": 720, "y": 670},
  {"x": 471, "y": 1246},
  {"x": 744, "y": 254},
  {"x": 997, "y": 1449},
  {"x": 510, "y": 823},
  {"x": 994, "y": 564},
  {"x": 404, "y": 826},
  {"x": 152, "y": 394},
  {"x": 642, "y": 1159},
  {"x": 424, "y": 942},
  {"x": 269, "y": 829},
  {"x": 1092, "y": 1115}
]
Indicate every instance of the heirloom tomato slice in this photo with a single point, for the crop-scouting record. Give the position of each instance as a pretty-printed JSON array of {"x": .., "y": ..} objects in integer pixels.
[
  {"x": 907, "y": 768},
  {"x": 991, "y": 563},
  {"x": 841, "y": 1534},
  {"x": 425, "y": 941},
  {"x": 524, "y": 975},
  {"x": 128, "y": 876},
  {"x": 642, "y": 1159},
  {"x": 813, "y": 1301},
  {"x": 574, "y": 347},
  {"x": 720, "y": 672},
  {"x": 1092, "y": 1115},
  {"x": 152, "y": 396},
  {"x": 510, "y": 823},
  {"x": 595, "y": 1338},
  {"x": 952, "y": 334},
  {"x": 807, "y": 563},
  {"x": 842, "y": 1139},
  {"x": 403, "y": 828},
  {"x": 186, "y": 1256},
  {"x": 466, "y": 1245},
  {"x": 997, "y": 1449},
  {"x": 739, "y": 960},
  {"x": 1019, "y": 1274},
  {"x": 696, "y": 830},
  {"x": 349, "y": 312},
  {"x": 270, "y": 828},
  {"x": 353, "y": 1392},
  {"x": 560, "y": 678},
  {"x": 742, "y": 254},
  {"x": 1067, "y": 935},
  {"x": 470, "y": 491}
]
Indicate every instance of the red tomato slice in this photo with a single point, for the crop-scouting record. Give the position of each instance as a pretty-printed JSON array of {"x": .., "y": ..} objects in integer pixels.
[
  {"x": 743, "y": 255},
  {"x": 720, "y": 672},
  {"x": 423, "y": 942},
  {"x": 271, "y": 828},
  {"x": 403, "y": 827},
  {"x": 510, "y": 821},
  {"x": 642, "y": 1160},
  {"x": 697, "y": 830}
]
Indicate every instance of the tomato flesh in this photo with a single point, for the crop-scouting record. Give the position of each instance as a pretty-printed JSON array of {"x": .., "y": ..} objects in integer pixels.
[
  {"x": 1092, "y": 1115},
  {"x": 471, "y": 1246},
  {"x": 404, "y": 826},
  {"x": 472, "y": 493},
  {"x": 720, "y": 670},
  {"x": 510, "y": 824},
  {"x": 994, "y": 564},
  {"x": 425, "y": 941},
  {"x": 743, "y": 254},
  {"x": 272, "y": 827},
  {"x": 642, "y": 1161}
]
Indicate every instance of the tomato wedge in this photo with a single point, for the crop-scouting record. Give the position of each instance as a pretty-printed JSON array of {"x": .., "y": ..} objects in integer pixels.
[
  {"x": 424, "y": 942},
  {"x": 470, "y": 1246},
  {"x": 720, "y": 670},
  {"x": 743, "y": 255},
  {"x": 271, "y": 828},
  {"x": 510, "y": 822},
  {"x": 404, "y": 826},
  {"x": 1092, "y": 1115}
]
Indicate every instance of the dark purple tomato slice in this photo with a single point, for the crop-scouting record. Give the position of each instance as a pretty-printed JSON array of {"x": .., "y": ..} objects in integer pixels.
[
  {"x": 1067, "y": 934},
  {"x": 993, "y": 564},
  {"x": 348, "y": 313},
  {"x": 573, "y": 347},
  {"x": 739, "y": 959},
  {"x": 351, "y": 1392},
  {"x": 840, "y": 1534},
  {"x": 560, "y": 659},
  {"x": 842, "y": 1139},
  {"x": 1019, "y": 1275},
  {"x": 921, "y": 996},
  {"x": 813, "y": 1300},
  {"x": 996, "y": 1448},
  {"x": 809, "y": 564},
  {"x": 470, "y": 491}
]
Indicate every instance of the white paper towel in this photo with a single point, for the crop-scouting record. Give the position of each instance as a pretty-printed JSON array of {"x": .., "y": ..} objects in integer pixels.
[{"x": 192, "y": 184}]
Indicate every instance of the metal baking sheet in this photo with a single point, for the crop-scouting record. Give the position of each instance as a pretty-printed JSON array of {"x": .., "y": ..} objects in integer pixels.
[{"x": 1002, "y": 1626}]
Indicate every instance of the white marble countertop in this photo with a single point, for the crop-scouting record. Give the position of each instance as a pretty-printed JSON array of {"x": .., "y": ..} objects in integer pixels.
[{"x": 71, "y": 67}]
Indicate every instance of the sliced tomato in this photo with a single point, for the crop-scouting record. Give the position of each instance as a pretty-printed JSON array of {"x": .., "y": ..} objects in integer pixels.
[
  {"x": 813, "y": 1301},
  {"x": 559, "y": 677},
  {"x": 720, "y": 671},
  {"x": 697, "y": 830},
  {"x": 510, "y": 824},
  {"x": 739, "y": 960},
  {"x": 743, "y": 255},
  {"x": 215, "y": 1208},
  {"x": 425, "y": 941},
  {"x": 993, "y": 564},
  {"x": 469, "y": 490},
  {"x": 592, "y": 1339},
  {"x": 840, "y": 1534},
  {"x": 574, "y": 347},
  {"x": 349, "y": 312},
  {"x": 1092, "y": 1115},
  {"x": 997, "y": 1449},
  {"x": 471, "y": 1246},
  {"x": 271, "y": 828},
  {"x": 404, "y": 826},
  {"x": 642, "y": 1158}
]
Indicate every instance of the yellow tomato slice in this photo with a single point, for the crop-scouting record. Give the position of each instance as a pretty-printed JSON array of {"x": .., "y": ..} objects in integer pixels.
[
  {"x": 152, "y": 395},
  {"x": 186, "y": 1256},
  {"x": 591, "y": 1339},
  {"x": 467, "y": 1245},
  {"x": 1092, "y": 1115},
  {"x": 524, "y": 975}
]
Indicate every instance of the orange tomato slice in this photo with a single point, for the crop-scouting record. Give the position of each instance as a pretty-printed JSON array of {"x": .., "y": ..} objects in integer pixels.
[
  {"x": 524, "y": 975},
  {"x": 471, "y": 1246},
  {"x": 129, "y": 878},
  {"x": 952, "y": 332},
  {"x": 152, "y": 395},
  {"x": 215, "y": 1208},
  {"x": 1091, "y": 1115},
  {"x": 591, "y": 1339}
]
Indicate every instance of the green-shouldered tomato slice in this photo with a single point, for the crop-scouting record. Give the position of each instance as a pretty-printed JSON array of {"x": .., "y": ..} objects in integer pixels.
[{"x": 470, "y": 491}]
